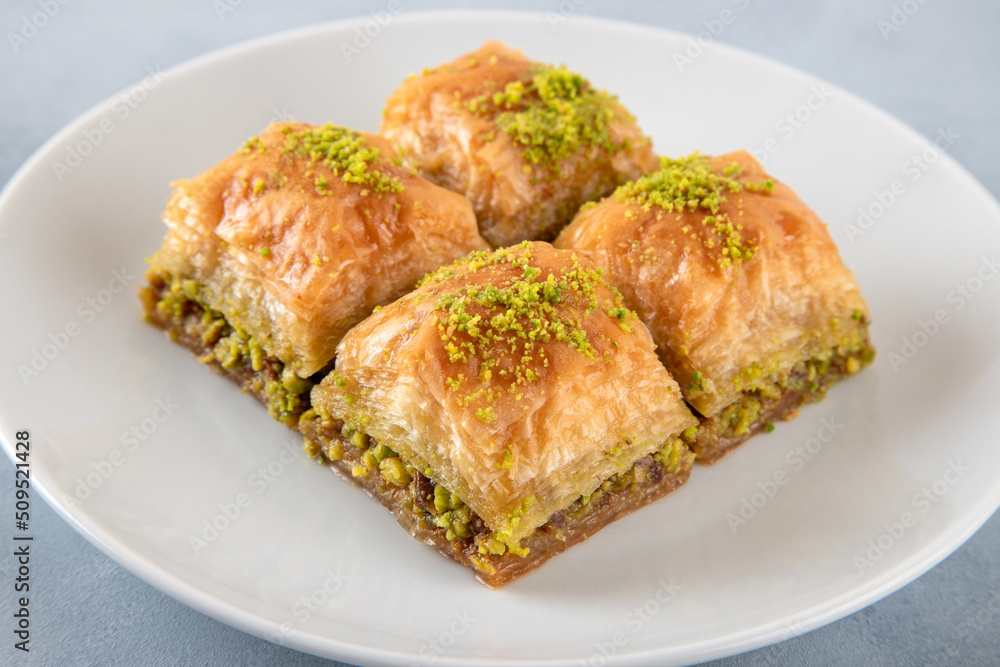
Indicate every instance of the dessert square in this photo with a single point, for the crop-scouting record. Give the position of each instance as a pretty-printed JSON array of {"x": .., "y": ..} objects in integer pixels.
[
  {"x": 746, "y": 296},
  {"x": 526, "y": 142},
  {"x": 506, "y": 409},
  {"x": 273, "y": 254}
]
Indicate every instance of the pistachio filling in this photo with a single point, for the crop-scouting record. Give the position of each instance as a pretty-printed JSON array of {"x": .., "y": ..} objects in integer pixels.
[
  {"x": 434, "y": 507},
  {"x": 175, "y": 301},
  {"x": 807, "y": 382}
]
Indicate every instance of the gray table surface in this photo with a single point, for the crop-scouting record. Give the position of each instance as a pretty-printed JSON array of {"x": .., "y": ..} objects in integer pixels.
[{"x": 941, "y": 68}]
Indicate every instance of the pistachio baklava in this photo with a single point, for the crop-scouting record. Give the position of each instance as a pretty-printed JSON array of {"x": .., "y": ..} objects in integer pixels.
[
  {"x": 526, "y": 142},
  {"x": 746, "y": 296},
  {"x": 508, "y": 408},
  {"x": 274, "y": 253}
]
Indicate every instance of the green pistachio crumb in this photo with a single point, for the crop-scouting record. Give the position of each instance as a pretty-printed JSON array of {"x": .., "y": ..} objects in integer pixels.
[
  {"x": 853, "y": 365},
  {"x": 394, "y": 470},
  {"x": 497, "y": 329},
  {"x": 312, "y": 450},
  {"x": 252, "y": 145},
  {"x": 345, "y": 152},
  {"x": 690, "y": 184},
  {"x": 552, "y": 115},
  {"x": 335, "y": 451},
  {"x": 697, "y": 381}
]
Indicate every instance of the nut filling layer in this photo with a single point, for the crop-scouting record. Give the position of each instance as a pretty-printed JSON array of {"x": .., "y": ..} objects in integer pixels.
[
  {"x": 777, "y": 399},
  {"x": 436, "y": 516},
  {"x": 428, "y": 511},
  {"x": 172, "y": 303}
]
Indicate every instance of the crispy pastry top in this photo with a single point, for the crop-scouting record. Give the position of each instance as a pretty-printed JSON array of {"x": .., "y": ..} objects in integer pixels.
[
  {"x": 300, "y": 233},
  {"x": 735, "y": 276},
  {"x": 528, "y": 143},
  {"x": 516, "y": 378}
]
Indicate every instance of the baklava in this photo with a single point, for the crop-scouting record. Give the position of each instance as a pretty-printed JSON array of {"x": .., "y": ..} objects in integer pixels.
[
  {"x": 751, "y": 307},
  {"x": 508, "y": 408},
  {"x": 527, "y": 143},
  {"x": 274, "y": 253}
]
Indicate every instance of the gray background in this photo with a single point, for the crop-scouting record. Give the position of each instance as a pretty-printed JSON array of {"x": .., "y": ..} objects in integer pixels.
[{"x": 941, "y": 68}]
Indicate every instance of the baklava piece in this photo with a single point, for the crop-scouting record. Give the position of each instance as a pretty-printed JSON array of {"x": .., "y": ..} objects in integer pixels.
[
  {"x": 527, "y": 143},
  {"x": 274, "y": 253},
  {"x": 508, "y": 408},
  {"x": 742, "y": 287}
]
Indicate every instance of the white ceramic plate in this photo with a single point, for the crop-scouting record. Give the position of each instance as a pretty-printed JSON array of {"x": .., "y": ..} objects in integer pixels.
[{"x": 142, "y": 449}]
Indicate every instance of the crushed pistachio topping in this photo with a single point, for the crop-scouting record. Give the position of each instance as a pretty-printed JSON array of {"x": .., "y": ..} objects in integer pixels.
[
  {"x": 697, "y": 381},
  {"x": 486, "y": 414},
  {"x": 552, "y": 114},
  {"x": 252, "y": 145},
  {"x": 690, "y": 184},
  {"x": 499, "y": 329},
  {"x": 345, "y": 152}
]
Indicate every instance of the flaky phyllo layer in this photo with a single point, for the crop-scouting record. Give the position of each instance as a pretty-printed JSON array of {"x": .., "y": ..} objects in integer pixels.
[
  {"x": 300, "y": 233},
  {"x": 517, "y": 379}
]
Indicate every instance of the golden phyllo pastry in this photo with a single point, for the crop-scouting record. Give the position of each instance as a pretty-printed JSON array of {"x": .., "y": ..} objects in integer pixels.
[
  {"x": 274, "y": 253},
  {"x": 527, "y": 143},
  {"x": 742, "y": 287},
  {"x": 509, "y": 407}
]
